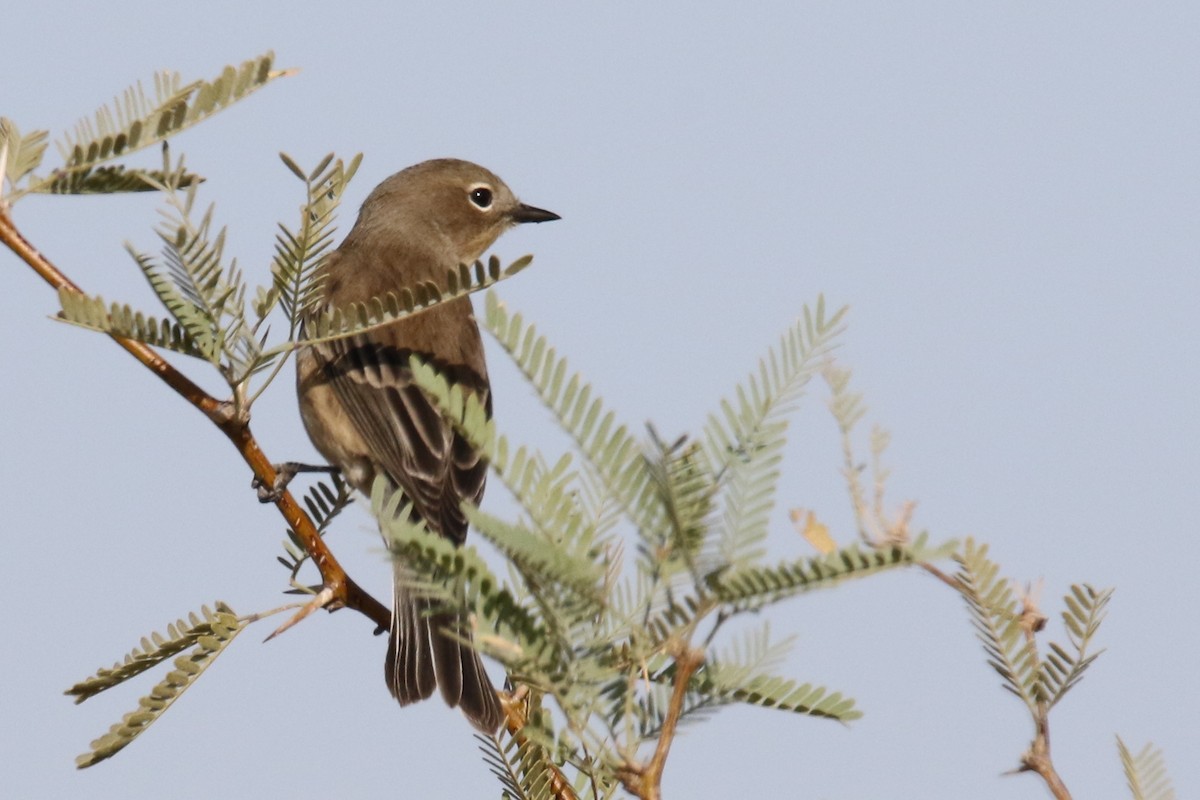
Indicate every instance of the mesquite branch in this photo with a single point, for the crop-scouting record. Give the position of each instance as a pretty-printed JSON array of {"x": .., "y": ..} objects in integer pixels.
[{"x": 341, "y": 588}]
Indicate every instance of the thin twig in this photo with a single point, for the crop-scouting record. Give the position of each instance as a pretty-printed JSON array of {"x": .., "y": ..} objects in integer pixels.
[
  {"x": 645, "y": 780},
  {"x": 941, "y": 576},
  {"x": 517, "y": 717},
  {"x": 345, "y": 592},
  {"x": 246, "y": 619},
  {"x": 1037, "y": 759}
]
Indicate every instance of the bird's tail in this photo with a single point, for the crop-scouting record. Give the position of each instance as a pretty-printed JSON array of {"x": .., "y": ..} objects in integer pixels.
[{"x": 429, "y": 649}]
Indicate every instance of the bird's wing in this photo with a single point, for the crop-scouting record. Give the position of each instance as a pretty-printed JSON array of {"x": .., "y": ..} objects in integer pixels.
[{"x": 408, "y": 437}]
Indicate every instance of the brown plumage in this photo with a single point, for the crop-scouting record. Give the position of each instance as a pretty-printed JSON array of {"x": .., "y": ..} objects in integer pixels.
[{"x": 365, "y": 416}]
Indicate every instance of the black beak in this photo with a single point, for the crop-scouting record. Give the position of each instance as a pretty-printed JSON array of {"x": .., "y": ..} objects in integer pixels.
[{"x": 524, "y": 213}]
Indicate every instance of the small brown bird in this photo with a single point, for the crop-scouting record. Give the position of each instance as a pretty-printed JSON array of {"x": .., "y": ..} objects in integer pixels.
[{"x": 366, "y": 417}]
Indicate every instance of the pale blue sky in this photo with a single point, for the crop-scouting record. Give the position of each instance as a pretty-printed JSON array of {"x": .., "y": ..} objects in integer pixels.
[{"x": 1006, "y": 195}]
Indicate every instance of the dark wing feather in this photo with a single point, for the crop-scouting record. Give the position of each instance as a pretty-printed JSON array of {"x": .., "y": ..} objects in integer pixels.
[{"x": 410, "y": 440}]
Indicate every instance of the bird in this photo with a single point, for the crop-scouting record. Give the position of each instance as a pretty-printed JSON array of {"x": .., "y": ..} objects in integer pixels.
[{"x": 366, "y": 417}]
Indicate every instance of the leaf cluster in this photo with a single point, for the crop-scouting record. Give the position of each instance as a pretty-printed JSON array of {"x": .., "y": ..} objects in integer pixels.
[
  {"x": 209, "y": 314},
  {"x": 194, "y": 643},
  {"x": 597, "y": 632},
  {"x": 135, "y": 120},
  {"x": 1008, "y": 631},
  {"x": 1146, "y": 772}
]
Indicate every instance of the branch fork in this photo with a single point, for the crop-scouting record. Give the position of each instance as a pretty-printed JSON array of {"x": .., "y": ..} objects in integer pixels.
[{"x": 645, "y": 780}]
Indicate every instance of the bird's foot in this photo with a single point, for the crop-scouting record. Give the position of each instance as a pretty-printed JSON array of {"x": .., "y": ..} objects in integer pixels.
[{"x": 283, "y": 476}]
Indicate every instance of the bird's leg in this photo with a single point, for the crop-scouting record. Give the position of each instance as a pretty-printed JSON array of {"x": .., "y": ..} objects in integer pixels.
[{"x": 283, "y": 476}]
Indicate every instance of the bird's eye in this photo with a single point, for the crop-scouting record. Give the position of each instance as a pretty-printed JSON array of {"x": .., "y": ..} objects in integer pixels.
[{"x": 481, "y": 196}]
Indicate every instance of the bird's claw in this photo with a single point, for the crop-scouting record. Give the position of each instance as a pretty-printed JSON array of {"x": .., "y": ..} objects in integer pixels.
[
  {"x": 284, "y": 473},
  {"x": 272, "y": 493}
]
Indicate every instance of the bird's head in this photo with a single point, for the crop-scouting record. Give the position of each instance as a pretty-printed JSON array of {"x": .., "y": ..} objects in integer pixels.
[{"x": 460, "y": 205}]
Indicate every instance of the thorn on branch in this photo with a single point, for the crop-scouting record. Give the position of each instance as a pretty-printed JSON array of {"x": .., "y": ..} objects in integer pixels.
[{"x": 323, "y": 598}]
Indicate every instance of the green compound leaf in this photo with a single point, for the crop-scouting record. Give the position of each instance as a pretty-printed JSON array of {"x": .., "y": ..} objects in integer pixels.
[{"x": 196, "y": 643}]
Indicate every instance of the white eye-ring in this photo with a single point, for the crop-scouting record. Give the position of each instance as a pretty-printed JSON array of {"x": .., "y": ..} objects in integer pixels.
[{"x": 481, "y": 196}]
